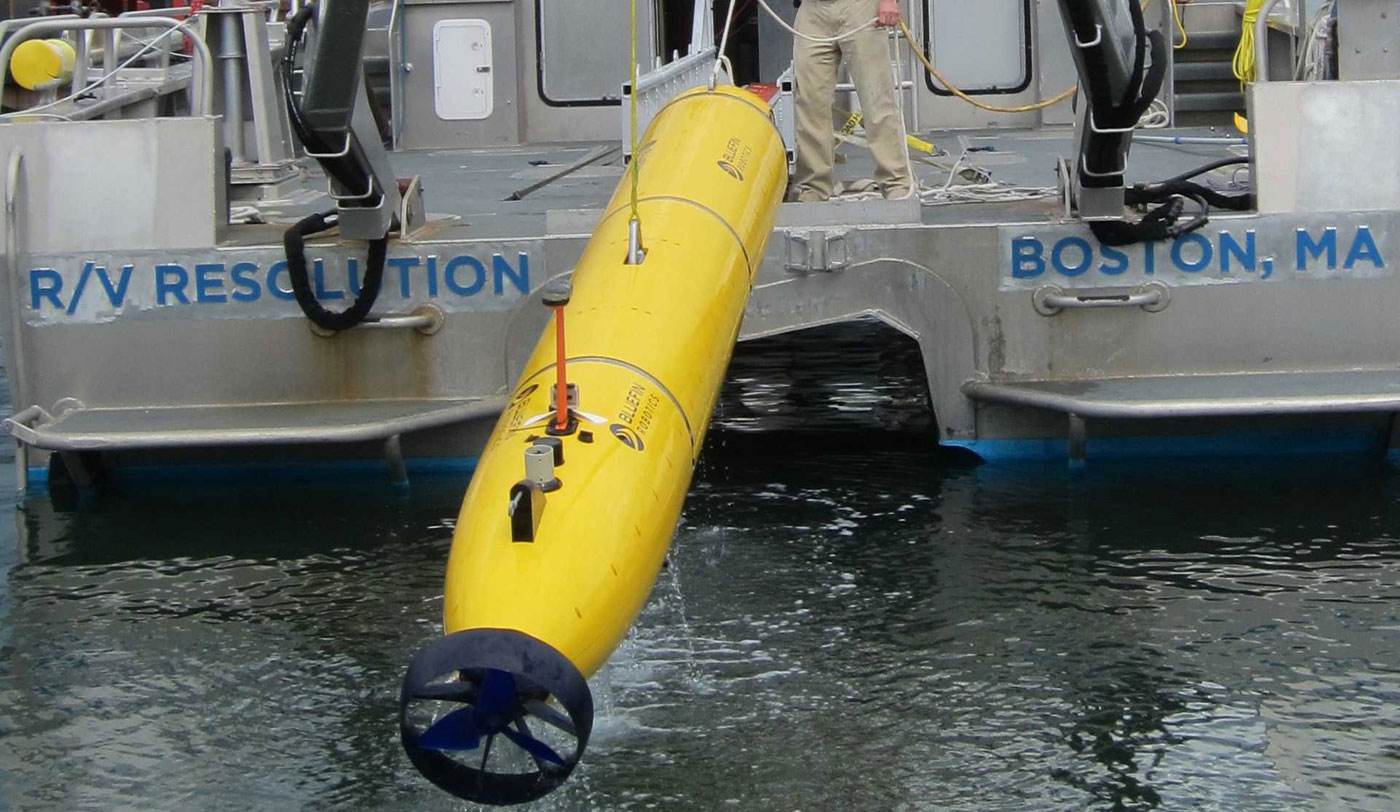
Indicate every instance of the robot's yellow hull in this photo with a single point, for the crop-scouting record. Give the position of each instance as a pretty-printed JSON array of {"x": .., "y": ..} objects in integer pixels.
[{"x": 647, "y": 347}]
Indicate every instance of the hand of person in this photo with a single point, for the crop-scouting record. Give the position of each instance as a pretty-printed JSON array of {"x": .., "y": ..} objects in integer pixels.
[{"x": 888, "y": 14}]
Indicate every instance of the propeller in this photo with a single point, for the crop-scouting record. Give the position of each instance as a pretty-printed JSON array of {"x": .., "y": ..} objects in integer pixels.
[
  {"x": 495, "y": 705},
  {"x": 500, "y": 679}
]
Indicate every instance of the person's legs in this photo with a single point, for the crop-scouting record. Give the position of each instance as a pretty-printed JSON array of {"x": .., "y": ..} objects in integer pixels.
[
  {"x": 867, "y": 58},
  {"x": 814, "y": 68}
]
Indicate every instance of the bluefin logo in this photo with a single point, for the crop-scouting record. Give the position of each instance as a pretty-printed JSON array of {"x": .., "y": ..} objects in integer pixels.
[
  {"x": 735, "y": 158},
  {"x": 627, "y": 436}
]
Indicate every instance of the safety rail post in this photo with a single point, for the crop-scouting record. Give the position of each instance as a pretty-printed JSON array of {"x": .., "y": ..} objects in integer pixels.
[{"x": 1261, "y": 41}]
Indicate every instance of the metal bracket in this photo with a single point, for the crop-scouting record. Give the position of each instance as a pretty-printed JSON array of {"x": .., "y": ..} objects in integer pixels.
[
  {"x": 1065, "y": 182},
  {"x": 1050, "y": 300},
  {"x": 816, "y": 251},
  {"x": 785, "y": 115},
  {"x": 526, "y": 509},
  {"x": 413, "y": 215}
]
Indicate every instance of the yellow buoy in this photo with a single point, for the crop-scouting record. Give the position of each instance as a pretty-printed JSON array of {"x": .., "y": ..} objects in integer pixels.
[
  {"x": 553, "y": 558},
  {"x": 41, "y": 63}
]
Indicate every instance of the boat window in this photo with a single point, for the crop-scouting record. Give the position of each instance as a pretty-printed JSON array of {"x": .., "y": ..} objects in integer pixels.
[
  {"x": 583, "y": 50},
  {"x": 983, "y": 47}
]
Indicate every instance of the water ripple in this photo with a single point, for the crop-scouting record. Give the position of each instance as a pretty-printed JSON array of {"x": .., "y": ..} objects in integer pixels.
[{"x": 872, "y": 631}]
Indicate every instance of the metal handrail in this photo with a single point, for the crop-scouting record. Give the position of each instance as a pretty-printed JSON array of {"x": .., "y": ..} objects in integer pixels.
[
  {"x": 18, "y": 377},
  {"x": 49, "y": 435},
  {"x": 426, "y": 319},
  {"x": 178, "y": 11},
  {"x": 1051, "y": 299},
  {"x": 199, "y": 101},
  {"x": 6, "y": 25},
  {"x": 20, "y": 422},
  {"x": 1107, "y": 300},
  {"x": 414, "y": 321},
  {"x": 1261, "y": 41}
]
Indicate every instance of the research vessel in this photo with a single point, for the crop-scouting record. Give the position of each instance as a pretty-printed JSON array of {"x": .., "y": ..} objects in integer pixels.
[{"x": 336, "y": 236}]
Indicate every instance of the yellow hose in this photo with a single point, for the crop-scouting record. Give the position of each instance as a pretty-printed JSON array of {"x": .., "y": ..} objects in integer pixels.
[{"x": 928, "y": 66}]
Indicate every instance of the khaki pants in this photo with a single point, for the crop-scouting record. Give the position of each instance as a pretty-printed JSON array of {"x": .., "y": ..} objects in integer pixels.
[{"x": 815, "y": 66}]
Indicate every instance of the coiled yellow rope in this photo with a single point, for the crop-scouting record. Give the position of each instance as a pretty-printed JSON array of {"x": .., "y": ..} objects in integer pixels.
[
  {"x": 1243, "y": 63},
  {"x": 1176, "y": 15}
]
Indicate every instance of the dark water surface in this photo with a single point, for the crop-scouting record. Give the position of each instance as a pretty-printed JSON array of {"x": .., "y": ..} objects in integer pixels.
[
  {"x": 844, "y": 626},
  {"x": 881, "y": 630}
]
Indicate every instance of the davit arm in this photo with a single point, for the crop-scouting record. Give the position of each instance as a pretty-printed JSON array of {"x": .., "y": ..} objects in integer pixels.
[
  {"x": 332, "y": 119},
  {"x": 1121, "y": 67}
]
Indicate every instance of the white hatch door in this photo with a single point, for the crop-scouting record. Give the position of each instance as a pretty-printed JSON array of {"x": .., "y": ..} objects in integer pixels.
[{"x": 462, "y": 70}]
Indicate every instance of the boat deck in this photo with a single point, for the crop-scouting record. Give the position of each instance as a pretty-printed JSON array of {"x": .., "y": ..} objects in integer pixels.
[{"x": 471, "y": 187}]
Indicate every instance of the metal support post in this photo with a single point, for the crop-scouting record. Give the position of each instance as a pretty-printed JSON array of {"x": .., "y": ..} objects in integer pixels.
[
  {"x": 393, "y": 461},
  {"x": 231, "y": 63},
  {"x": 1077, "y": 439}
]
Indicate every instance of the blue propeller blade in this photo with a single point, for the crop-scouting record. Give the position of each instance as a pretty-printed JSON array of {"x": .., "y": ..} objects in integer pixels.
[
  {"x": 455, "y": 731},
  {"x": 496, "y": 696},
  {"x": 548, "y": 715},
  {"x": 534, "y": 747}
]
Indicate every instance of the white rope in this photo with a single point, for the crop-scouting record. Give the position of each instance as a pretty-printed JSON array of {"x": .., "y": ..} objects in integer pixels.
[
  {"x": 809, "y": 37},
  {"x": 1156, "y": 117},
  {"x": 986, "y": 193},
  {"x": 723, "y": 46},
  {"x": 58, "y": 116},
  {"x": 1310, "y": 57},
  {"x": 982, "y": 191}
]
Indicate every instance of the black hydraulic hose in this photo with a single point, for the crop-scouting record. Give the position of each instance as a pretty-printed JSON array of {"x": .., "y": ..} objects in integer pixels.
[
  {"x": 1143, "y": 194},
  {"x": 1103, "y": 155},
  {"x": 1140, "y": 51},
  {"x": 1160, "y": 223},
  {"x": 350, "y": 174},
  {"x": 1154, "y": 77},
  {"x": 1201, "y": 170},
  {"x": 295, "y": 243},
  {"x": 1144, "y": 83}
]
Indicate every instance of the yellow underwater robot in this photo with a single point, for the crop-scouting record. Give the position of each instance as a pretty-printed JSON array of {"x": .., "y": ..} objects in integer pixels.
[{"x": 569, "y": 515}]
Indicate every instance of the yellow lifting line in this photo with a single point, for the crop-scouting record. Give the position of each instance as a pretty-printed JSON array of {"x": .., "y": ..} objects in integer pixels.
[{"x": 635, "y": 168}]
